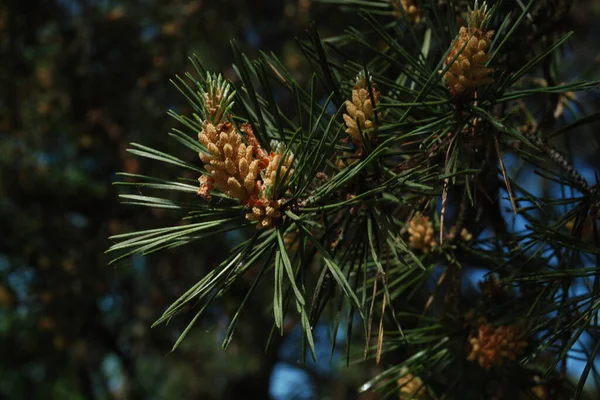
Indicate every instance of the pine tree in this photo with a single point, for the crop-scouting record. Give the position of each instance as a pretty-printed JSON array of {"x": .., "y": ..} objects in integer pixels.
[{"x": 395, "y": 177}]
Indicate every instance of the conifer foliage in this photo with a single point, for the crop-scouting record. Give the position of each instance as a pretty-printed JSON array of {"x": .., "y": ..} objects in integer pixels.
[{"x": 396, "y": 174}]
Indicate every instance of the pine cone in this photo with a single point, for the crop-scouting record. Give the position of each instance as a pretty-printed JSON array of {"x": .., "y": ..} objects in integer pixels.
[
  {"x": 361, "y": 109},
  {"x": 411, "y": 9},
  {"x": 492, "y": 346},
  {"x": 265, "y": 208},
  {"x": 465, "y": 235},
  {"x": 468, "y": 71},
  {"x": 231, "y": 164},
  {"x": 265, "y": 212},
  {"x": 421, "y": 234},
  {"x": 411, "y": 387}
]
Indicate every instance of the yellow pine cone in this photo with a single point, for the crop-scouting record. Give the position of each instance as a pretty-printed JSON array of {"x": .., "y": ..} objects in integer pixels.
[
  {"x": 361, "y": 108},
  {"x": 243, "y": 171},
  {"x": 465, "y": 235},
  {"x": 468, "y": 70},
  {"x": 420, "y": 234},
  {"x": 345, "y": 159},
  {"x": 265, "y": 208},
  {"x": 564, "y": 100},
  {"x": 411, "y": 9},
  {"x": 269, "y": 174},
  {"x": 231, "y": 164},
  {"x": 411, "y": 387},
  {"x": 541, "y": 392},
  {"x": 492, "y": 346},
  {"x": 265, "y": 212}
]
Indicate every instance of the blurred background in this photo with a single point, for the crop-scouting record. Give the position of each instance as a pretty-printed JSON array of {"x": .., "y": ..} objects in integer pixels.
[{"x": 79, "y": 80}]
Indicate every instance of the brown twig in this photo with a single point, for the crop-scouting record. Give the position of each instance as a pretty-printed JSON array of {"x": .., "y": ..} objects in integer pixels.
[
  {"x": 563, "y": 164},
  {"x": 511, "y": 195}
]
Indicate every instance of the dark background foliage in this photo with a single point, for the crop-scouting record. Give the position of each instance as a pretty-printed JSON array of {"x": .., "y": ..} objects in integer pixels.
[{"x": 79, "y": 80}]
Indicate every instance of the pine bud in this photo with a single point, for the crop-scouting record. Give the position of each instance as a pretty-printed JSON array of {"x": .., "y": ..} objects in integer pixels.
[
  {"x": 240, "y": 169},
  {"x": 227, "y": 162},
  {"x": 217, "y": 100},
  {"x": 468, "y": 71},
  {"x": 360, "y": 114},
  {"x": 266, "y": 207},
  {"x": 465, "y": 235},
  {"x": 411, "y": 9},
  {"x": 421, "y": 234},
  {"x": 411, "y": 386},
  {"x": 542, "y": 390},
  {"x": 492, "y": 346}
]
